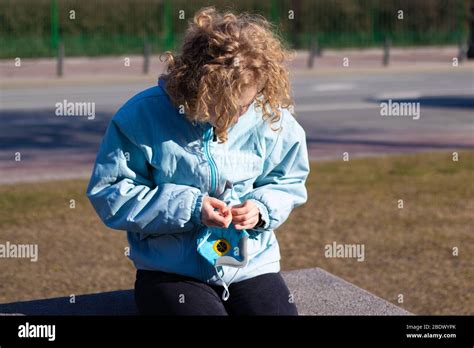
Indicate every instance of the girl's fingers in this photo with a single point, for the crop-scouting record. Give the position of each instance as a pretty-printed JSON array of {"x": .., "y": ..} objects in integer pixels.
[
  {"x": 214, "y": 204},
  {"x": 221, "y": 220},
  {"x": 245, "y": 217},
  {"x": 217, "y": 203},
  {"x": 247, "y": 224},
  {"x": 240, "y": 210},
  {"x": 244, "y": 208}
]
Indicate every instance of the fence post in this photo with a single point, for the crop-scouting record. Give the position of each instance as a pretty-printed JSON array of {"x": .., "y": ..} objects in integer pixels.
[
  {"x": 146, "y": 57},
  {"x": 462, "y": 50},
  {"x": 313, "y": 51},
  {"x": 60, "y": 62},
  {"x": 386, "y": 50}
]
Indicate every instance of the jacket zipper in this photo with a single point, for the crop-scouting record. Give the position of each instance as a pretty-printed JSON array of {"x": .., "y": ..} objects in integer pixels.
[
  {"x": 212, "y": 164},
  {"x": 214, "y": 179}
]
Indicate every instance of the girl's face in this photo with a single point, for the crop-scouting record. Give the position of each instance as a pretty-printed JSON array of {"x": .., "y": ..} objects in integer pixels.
[{"x": 245, "y": 100}]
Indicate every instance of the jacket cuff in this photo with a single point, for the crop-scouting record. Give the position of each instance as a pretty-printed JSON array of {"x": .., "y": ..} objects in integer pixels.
[{"x": 196, "y": 209}]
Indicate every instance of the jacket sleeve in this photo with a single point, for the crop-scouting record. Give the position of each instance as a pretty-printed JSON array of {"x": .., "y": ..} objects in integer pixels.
[
  {"x": 125, "y": 197},
  {"x": 281, "y": 186}
]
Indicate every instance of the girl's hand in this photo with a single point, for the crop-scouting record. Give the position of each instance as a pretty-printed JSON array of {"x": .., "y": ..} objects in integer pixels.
[
  {"x": 245, "y": 215},
  {"x": 221, "y": 217}
]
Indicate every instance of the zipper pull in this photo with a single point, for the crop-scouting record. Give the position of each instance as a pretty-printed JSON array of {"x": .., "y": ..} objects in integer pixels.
[{"x": 214, "y": 136}]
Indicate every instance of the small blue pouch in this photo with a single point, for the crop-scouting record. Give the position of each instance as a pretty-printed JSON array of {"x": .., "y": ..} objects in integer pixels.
[{"x": 224, "y": 246}]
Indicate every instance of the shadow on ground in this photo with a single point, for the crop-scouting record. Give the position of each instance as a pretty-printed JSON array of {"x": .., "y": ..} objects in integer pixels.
[{"x": 43, "y": 130}]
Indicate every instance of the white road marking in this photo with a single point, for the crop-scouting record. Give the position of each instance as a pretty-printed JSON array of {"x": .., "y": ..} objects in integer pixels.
[
  {"x": 331, "y": 87},
  {"x": 338, "y": 106},
  {"x": 399, "y": 95}
]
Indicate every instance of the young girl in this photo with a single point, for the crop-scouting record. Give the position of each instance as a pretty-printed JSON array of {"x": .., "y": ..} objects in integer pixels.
[{"x": 208, "y": 161}]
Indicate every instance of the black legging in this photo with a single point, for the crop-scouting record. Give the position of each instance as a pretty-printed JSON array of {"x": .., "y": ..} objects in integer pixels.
[{"x": 160, "y": 293}]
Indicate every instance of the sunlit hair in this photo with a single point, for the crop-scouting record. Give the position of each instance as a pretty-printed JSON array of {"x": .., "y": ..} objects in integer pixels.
[{"x": 223, "y": 53}]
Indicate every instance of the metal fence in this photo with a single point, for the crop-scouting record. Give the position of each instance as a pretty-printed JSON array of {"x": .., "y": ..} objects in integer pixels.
[{"x": 110, "y": 27}]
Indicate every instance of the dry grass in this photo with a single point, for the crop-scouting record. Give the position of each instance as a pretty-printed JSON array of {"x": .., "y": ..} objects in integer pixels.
[{"x": 407, "y": 251}]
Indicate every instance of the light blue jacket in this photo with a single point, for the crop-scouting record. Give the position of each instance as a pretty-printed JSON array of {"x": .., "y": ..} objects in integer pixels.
[{"x": 154, "y": 167}]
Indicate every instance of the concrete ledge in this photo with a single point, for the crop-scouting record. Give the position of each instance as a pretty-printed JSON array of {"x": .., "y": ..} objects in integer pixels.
[{"x": 316, "y": 292}]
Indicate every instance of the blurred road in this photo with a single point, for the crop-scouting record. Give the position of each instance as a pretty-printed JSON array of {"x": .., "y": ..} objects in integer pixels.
[{"x": 340, "y": 113}]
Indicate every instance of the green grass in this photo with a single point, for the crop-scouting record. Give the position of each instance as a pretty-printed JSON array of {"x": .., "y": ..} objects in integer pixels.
[{"x": 407, "y": 251}]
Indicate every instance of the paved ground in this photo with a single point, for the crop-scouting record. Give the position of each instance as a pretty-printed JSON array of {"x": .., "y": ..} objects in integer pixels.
[
  {"x": 330, "y": 59},
  {"x": 339, "y": 108}
]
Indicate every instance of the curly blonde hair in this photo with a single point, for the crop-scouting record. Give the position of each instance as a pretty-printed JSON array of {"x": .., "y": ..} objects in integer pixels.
[{"x": 222, "y": 54}]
